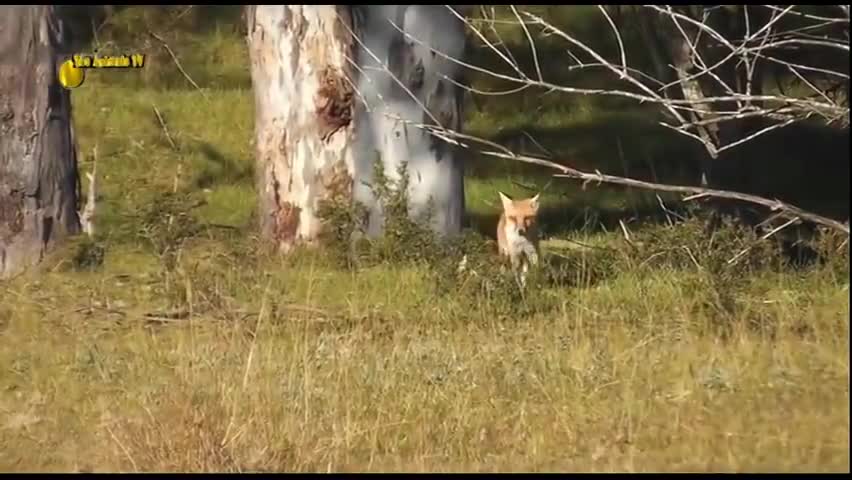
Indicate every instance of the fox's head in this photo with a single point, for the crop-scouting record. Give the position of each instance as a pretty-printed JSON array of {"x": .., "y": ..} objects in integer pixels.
[{"x": 520, "y": 214}]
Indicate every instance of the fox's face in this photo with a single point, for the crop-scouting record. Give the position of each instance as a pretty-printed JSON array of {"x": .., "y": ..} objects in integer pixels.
[{"x": 520, "y": 215}]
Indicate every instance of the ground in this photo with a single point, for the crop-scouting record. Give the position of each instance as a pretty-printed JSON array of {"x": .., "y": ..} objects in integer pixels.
[{"x": 186, "y": 347}]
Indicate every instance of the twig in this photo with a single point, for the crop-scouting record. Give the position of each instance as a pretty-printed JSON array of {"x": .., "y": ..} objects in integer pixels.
[
  {"x": 625, "y": 231},
  {"x": 260, "y": 318},
  {"x": 615, "y": 31},
  {"x": 535, "y": 142},
  {"x": 165, "y": 129},
  {"x": 665, "y": 210},
  {"x": 772, "y": 232},
  {"x": 181, "y": 14},
  {"x": 177, "y": 63},
  {"x": 532, "y": 43},
  {"x": 123, "y": 449}
]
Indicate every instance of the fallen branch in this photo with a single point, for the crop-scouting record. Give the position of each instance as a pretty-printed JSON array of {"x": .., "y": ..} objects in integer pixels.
[{"x": 165, "y": 129}]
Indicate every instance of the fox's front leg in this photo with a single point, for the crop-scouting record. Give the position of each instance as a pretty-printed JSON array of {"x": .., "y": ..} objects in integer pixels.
[
  {"x": 525, "y": 266},
  {"x": 516, "y": 262},
  {"x": 531, "y": 254},
  {"x": 533, "y": 257},
  {"x": 518, "y": 268}
]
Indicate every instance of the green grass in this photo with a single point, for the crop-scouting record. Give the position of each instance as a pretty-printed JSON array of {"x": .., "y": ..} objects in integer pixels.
[{"x": 653, "y": 355}]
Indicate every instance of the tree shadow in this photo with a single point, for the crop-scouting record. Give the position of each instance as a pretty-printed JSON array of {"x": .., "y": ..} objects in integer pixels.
[
  {"x": 84, "y": 20},
  {"x": 613, "y": 144},
  {"x": 806, "y": 165},
  {"x": 208, "y": 17},
  {"x": 221, "y": 169}
]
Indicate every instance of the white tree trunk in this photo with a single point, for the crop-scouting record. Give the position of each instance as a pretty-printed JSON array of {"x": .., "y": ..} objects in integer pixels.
[
  {"x": 411, "y": 76},
  {"x": 302, "y": 113},
  {"x": 321, "y": 121}
]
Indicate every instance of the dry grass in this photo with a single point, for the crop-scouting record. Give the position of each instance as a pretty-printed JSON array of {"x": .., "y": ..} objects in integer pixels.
[{"x": 303, "y": 367}]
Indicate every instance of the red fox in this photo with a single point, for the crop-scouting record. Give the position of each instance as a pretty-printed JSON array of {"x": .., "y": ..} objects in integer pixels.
[{"x": 517, "y": 232}]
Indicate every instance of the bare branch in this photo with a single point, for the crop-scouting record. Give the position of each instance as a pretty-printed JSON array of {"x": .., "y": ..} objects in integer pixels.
[
  {"x": 177, "y": 63},
  {"x": 482, "y": 37},
  {"x": 757, "y": 134},
  {"x": 693, "y": 116},
  {"x": 701, "y": 25},
  {"x": 622, "y": 75},
  {"x": 764, "y": 237},
  {"x": 845, "y": 9},
  {"x": 617, "y": 34},
  {"x": 532, "y": 43},
  {"x": 774, "y": 205},
  {"x": 802, "y": 41}
]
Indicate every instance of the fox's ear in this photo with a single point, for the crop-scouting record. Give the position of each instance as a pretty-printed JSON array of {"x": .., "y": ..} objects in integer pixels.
[
  {"x": 507, "y": 202},
  {"x": 534, "y": 201}
]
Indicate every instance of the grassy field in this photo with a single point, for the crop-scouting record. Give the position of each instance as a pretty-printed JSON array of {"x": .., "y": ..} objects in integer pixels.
[{"x": 188, "y": 348}]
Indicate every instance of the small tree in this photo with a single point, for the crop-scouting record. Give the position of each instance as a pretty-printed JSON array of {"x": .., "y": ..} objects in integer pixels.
[{"x": 38, "y": 164}]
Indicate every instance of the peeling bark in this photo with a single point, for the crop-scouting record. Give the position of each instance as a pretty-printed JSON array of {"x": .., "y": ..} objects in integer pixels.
[
  {"x": 38, "y": 164},
  {"x": 321, "y": 122},
  {"x": 303, "y": 112}
]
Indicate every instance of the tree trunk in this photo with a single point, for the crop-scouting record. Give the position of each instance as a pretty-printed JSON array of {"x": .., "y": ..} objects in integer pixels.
[
  {"x": 38, "y": 163},
  {"x": 416, "y": 77},
  {"x": 321, "y": 121}
]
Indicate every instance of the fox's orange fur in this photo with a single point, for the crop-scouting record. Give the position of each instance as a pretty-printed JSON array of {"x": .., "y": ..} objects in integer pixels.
[{"x": 517, "y": 231}]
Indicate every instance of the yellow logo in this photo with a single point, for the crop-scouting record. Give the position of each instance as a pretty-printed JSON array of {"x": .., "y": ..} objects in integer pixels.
[
  {"x": 71, "y": 76},
  {"x": 72, "y": 71}
]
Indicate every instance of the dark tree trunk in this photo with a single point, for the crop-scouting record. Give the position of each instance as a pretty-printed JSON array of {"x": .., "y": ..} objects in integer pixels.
[{"x": 38, "y": 164}]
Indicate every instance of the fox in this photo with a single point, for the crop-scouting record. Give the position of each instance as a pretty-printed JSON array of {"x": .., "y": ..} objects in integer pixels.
[{"x": 517, "y": 233}]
